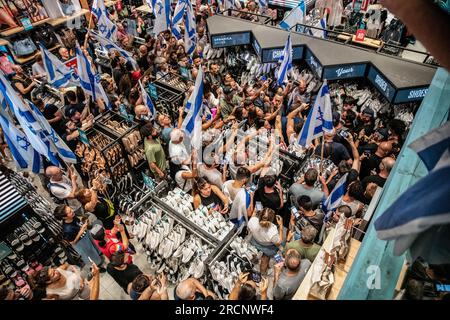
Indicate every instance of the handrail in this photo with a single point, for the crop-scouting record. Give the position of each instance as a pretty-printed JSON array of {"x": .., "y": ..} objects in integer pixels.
[{"x": 268, "y": 18}]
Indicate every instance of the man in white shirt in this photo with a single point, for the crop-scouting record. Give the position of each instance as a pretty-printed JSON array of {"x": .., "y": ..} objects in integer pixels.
[
  {"x": 64, "y": 188},
  {"x": 177, "y": 150}
]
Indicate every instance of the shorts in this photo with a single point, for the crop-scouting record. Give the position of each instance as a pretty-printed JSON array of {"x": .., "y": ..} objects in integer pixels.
[{"x": 267, "y": 250}]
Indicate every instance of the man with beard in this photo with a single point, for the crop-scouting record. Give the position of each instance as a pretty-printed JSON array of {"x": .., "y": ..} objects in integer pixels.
[
  {"x": 299, "y": 96},
  {"x": 154, "y": 151}
]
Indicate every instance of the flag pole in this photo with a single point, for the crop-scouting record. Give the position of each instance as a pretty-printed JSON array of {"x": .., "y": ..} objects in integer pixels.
[
  {"x": 321, "y": 155},
  {"x": 89, "y": 28}
]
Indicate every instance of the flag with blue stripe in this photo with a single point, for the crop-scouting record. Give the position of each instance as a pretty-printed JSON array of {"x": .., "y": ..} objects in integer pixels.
[
  {"x": 21, "y": 149},
  {"x": 90, "y": 81},
  {"x": 105, "y": 26},
  {"x": 426, "y": 204},
  {"x": 151, "y": 4},
  {"x": 335, "y": 198},
  {"x": 295, "y": 16},
  {"x": 162, "y": 13},
  {"x": 320, "y": 118},
  {"x": 178, "y": 14},
  {"x": 147, "y": 100},
  {"x": 57, "y": 144},
  {"x": 322, "y": 24},
  {"x": 58, "y": 74},
  {"x": 263, "y": 4},
  {"x": 286, "y": 63},
  {"x": 27, "y": 121},
  {"x": 192, "y": 124},
  {"x": 111, "y": 45},
  {"x": 190, "y": 34}
]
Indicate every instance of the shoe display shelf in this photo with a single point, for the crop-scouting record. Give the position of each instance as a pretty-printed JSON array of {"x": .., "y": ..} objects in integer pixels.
[{"x": 168, "y": 94}]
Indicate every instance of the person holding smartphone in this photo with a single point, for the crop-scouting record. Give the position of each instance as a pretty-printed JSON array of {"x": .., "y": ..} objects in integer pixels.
[{"x": 266, "y": 236}]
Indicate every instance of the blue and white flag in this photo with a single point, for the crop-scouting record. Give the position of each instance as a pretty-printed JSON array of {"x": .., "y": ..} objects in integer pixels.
[
  {"x": 335, "y": 197},
  {"x": 229, "y": 4},
  {"x": 322, "y": 24},
  {"x": 320, "y": 118},
  {"x": 30, "y": 125},
  {"x": 90, "y": 81},
  {"x": 147, "y": 100},
  {"x": 263, "y": 4},
  {"x": 57, "y": 144},
  {"x": 21, "y": 149},
  {"x": 295, "y": 16},
  {"x": 111, "y": 45},
  {"x": 151, "y": 4},
  {"x": 192, "y": 124},
  {"x": 58, "y": 74},
  {"x": 286, "y": 62},
  {"x": 162, "y": 13},
  {"x": 178, "y": 14},
  {"x": 426, "y": 204},
  {"x": 105, "y": 26},
  {"x": 190, "y": 33}
]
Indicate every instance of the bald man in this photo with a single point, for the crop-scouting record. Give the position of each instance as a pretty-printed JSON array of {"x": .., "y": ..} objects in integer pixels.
[
  {"x": 143, "y": 58},
  {"x": 371, "y": 162},
  {"x": 379, "y": 179},
  {"x": 142, "y": 113},
  {"x": 63, "y": 187},
  {"x": 191, "y": 289}
]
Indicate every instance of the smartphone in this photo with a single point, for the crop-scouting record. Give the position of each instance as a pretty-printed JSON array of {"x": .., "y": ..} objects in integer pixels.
[
  {"x": 258, "y": 206},
  {"x": 253, "y": 188},
  {"x": 367, "y": 152},
  {"x": 90, "y": 260},
  {"x": 278, "y": 258},
  {"x": 344, "y": 134},
  {"x": 295, "y": 212},
  {"x": 255, "y": 276},
  {"x": 440, "y": 287}
]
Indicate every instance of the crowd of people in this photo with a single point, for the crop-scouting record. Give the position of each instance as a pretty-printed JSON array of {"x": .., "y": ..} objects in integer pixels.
[{"x": 232, "y": 179}]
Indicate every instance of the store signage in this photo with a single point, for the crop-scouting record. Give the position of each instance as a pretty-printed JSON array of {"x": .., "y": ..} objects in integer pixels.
[
  {"x": 256, "y": 46},
  {"x": 26, "y": 23},
  {"x": 231, "y": 39},
  {"x": 380, "y": 82},
  {"x": 152, "y": 90},
  {"x": 345, "y": 71},
  {"x": 360, "y": 35},
  {"x": 410, "y": 95},
  {"x": 83, "y": 137},
  {"x": 313, "y": 63},
  {"x": 274, "y": 55}
]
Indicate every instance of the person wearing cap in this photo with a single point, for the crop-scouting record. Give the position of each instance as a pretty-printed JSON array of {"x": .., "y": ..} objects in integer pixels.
[{"x": 366, "y": 121}]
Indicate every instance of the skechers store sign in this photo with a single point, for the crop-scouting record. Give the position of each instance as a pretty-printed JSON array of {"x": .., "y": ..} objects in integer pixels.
[
  {"x": 273, "y": 55},
  {"x": 380, "y": 82},
  {"x": 231, "y": 39},
  {"x": 409, "y": 95},
  {"x": 313, "y": 63},
  {"x": 344, "y": 72}
]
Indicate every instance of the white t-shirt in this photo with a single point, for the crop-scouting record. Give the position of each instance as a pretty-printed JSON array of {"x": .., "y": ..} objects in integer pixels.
[
  {"x": 178, "y": 152},
  {"x": 62, "y": 189},
  {"x": 229, "y": 191},
  {"x": 184, "y": 184},
  {"x": 71, "y": 290},
  {"x": 264, "y": 236}
]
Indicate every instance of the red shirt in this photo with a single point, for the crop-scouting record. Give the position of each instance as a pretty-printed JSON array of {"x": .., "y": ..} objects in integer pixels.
[{"x": 113, "y": 244}]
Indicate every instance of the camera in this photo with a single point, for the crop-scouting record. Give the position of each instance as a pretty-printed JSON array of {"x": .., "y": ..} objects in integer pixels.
[{"x": 255, "y": 276}]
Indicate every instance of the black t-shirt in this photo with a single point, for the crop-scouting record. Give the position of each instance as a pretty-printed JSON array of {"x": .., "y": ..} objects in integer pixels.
[
  {"x": 379, "y": 181},
  {"x": 368, "y": 127},
  {"x": 49, "y": 113},
  {"x": 268, "y": 200},
  {"x": 143, "y": 63},
  {"x": 124, "y": 277},
  {"x": 70, "y": 230},
  {"x": 72, "y": 108},
  {"x": 368, "y": 164},
  {"x": 338, "y": 152}
]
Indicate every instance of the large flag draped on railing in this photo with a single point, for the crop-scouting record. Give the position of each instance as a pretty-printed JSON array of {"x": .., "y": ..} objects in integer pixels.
[
  {"x": 192, "y": 124},
  {"x": 320, "y": 118}
]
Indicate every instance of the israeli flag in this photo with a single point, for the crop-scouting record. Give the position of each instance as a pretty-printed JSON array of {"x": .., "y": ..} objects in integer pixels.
[
  {"x": 111, "y": 45},
  {"x": 151, "y": 4},
  {"x": 177, "y": 18},
  {"x": 192, "y": 124},
  {"x": 286, "y": 62},
  {"x": 295, "y": 16},
  {"x": 105, "y": 26},
  {"x": 162, "y": 13},
  {"x": 57, "y": 144},
  {"x": 320, "y": 118},
  {"x": 21, "y": 149},
  {"x": 320, "y": 33},
  {"x": 27, "y": 121},
  {"x": 58, "y": 74},
  {"x": 335, "y": 198},
  {"x": 263, "y": 4},
  {"x": 190, "y": 34},
  {"x": 147, "y": 100},
  {"x": 426, "y": 204},
  {"x": 90, "y": 81}
]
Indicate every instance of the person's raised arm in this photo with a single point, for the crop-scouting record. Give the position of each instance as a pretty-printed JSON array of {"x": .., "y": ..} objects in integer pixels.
[
  {"x": 234, "y": 294},
  {"x": 94, "y": 284},
  {"x": 356, "y": 157},
  {"x": 222, "y": 198}
]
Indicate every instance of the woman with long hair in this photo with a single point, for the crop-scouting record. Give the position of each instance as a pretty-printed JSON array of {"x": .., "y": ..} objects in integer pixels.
[
  {"x": 266, "y": 237},
  {"x": 209, "y": 196}
]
